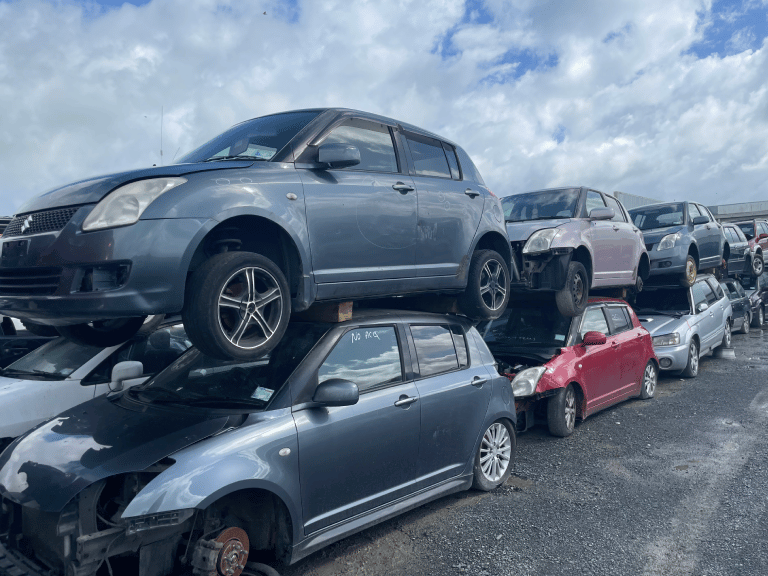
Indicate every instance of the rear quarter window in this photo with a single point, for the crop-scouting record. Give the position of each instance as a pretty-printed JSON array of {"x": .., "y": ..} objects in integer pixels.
[{"x": 435, "y": 349}]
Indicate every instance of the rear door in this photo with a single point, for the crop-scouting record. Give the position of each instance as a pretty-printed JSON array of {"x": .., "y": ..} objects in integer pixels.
[
  {"x": 449, "y": 206},
  {"x": 454, "y": 393},
  {"x": 628, "y": 242},
  {"x": 710, "y": 318},
  {"x": 598, "y": 366},
  {"x": 628, "y": 344}
]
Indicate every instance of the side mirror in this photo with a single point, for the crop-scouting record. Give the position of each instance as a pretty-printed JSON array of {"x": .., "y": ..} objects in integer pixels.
[
  {"x": 700, "y": 220},
  {"x": 702, "y": 307},
  {"x": 601, "y": 214},
  {"x": 336, "y": 392},
  {"x": 762, "y": 236},
  {"x": 338, "y": 155},
  {"x": 123, "y": 371},
  {"x": 594, "y": 339}
]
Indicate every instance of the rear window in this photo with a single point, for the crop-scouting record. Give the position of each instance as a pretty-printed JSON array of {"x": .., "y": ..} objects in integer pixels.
[
  {"x": 428, "y": 157},
  {"x": 435, "y": 350}
]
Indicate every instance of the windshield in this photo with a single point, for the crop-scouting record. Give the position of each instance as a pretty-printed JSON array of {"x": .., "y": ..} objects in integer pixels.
[
  {"x": 258, "y": 139},
  {"x": 529, "y": 326},
  {"x": 749, "y": 230},
  {"x": 197, "y": 379},
  {"x": 544, "y": 205},
  {"x": 57, "y": 358},
  {"x": 658, "y": 216},
  {"x": 666, "y": 300}
]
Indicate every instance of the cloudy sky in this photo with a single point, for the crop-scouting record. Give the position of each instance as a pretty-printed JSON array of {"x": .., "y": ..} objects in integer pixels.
[{"x": 662, "y": 98}]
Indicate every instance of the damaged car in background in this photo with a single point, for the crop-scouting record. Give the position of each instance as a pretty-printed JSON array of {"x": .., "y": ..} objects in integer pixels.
[
  {"x": 565, "y": 368},
  {"x": 212, "y": 464}
]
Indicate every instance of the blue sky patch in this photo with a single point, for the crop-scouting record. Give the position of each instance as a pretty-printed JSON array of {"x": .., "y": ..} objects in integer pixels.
[
  {"x": 731, "y": 27},
  {"x": 559, "y": 134},
  {"x": 515, "y": 63}
]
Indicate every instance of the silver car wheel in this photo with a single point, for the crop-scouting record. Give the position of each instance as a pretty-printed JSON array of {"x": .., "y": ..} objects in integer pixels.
[
  {"x": 761, "y": 316},
  {"x": 570, "y": 408},
  {"x": 493, "y": 284},
  {"x": 649, "y": 379},
  {"x": 727, "y": 334},
  {"x": 495, "y": 452},
  {"x": 690, "y": 271},
  {"x": 757, "y": 266},
  {"x": 693, "y": 351},
  {"x": 250, "y": 307}
]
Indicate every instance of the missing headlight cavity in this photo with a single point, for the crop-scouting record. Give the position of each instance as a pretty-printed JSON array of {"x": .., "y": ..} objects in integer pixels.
[{"x": 101, "y": 278}]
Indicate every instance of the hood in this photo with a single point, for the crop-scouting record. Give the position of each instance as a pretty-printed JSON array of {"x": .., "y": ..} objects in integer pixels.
[
  {"x": 535, "y": 354},
  {"x": 50, "y": 465},
  {"x": 655, "y": 235},
  {"x": 658, "y": 324},
  {"x": 92, "y": 190},
  {"x": 521, "y": 231}
]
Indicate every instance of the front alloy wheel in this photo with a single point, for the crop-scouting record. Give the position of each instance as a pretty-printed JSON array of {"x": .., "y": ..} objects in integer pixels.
[
  {"x": 727, "y": 334},
  {"x": 561, "y": 412},
  {"x": 692, "y": 368}
]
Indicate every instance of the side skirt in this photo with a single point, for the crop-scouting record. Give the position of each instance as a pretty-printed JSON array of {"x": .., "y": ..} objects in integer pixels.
[{"x": 336, "y": 532}]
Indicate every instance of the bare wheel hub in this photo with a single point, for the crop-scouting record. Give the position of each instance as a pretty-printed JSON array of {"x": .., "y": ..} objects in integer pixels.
[{"x": 224, "y": 556}]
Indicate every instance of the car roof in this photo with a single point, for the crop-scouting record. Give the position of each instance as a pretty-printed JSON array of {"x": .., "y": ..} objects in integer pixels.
[
  {"x": 386, "y": 315},
  {"x": 656, "y": 205},
  {"x": 603, "y": 300}
]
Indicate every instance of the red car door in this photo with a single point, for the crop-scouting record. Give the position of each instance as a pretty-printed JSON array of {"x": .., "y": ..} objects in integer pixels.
[
  {"x": 596, "y": 366},
  {"x": 629, "y": 348}
]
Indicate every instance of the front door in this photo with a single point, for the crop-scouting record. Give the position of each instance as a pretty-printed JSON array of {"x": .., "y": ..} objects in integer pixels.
[
  {"x": 361, "y": 219},
  {"x": 598, "y": 366},
  {"x": 355, "y": 458},
  {"x": 449, "y": 208},
  {"x": 603, "y": 239}
]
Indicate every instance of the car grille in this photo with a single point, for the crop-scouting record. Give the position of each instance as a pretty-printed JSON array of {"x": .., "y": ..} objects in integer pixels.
[
  {"x": 29, "y": 281},
  {"x": 649, "y": 247},
  {"x": 47, "y": 221}
]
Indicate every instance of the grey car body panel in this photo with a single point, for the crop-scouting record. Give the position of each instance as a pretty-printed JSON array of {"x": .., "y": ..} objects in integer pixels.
[{"x": 335, "y": 263}]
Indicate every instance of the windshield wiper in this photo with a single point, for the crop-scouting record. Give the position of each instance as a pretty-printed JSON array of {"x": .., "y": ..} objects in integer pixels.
[
  {"x": 540, "y": 218},
  {"x": 170, "y": 395},
  {"x": 659, "y": 312},
  {"x": 44, "y": 374},
  {"x": 215, "y": 158}
]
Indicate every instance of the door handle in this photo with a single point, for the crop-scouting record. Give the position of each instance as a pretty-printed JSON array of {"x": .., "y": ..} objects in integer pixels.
[
  {"x": 615, "y": 228},
  {"x": 471, "y": 193},
  {"x": 402, "y": 188},
  {"x": 635, "y": 230},
  {"x": 614, "y": 344},
  {"x": 709, "y": 227},
  {"x": 406, "y": 400},
  {"x": 478, "y": 381}
]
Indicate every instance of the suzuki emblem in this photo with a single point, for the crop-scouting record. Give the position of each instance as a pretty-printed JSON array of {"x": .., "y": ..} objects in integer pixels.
[{"x": 27, "y": 224}]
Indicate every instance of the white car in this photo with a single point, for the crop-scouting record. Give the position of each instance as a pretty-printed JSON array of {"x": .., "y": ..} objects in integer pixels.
[{"x": 61, "y": 374}]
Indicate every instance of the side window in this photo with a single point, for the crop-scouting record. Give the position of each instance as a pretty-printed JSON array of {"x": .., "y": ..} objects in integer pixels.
[
  {"x": 693, "y": 212},
  {"x": 730, "y": 235},
  {"x": 377, "y": 153},
  {"x": 730, "y": 288},
  {"x": 717, "y": 292},
  {"x": 739, "y": 290},
  {"x": 468, "y": 168},
  {"x": 369, "y": 357},
  {"x": 460, "y": 342},
  {"x": 704, "y": 212},
  {"x": 613, "y": 203},
  {"x": 435, "y": 350},
  {"x": 593, "y": 321},
  {"x": 453, "y": 164},
  {"x": 739, "y": 234},
  {"x": 160, "y": 349},
  {"x": 763, "y": 228},
  {"x": 428, "y": 157},
  {"x": 619, "y": 320},
  {"x": 594, "y": 200},
  {"x": 699, "y": 291}
]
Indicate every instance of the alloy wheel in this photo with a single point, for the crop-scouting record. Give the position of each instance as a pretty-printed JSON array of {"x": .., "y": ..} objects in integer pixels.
[
  {"x": 577, "y": 290},
  {"x": 493, "y": 284},
  {"x": 690, "y": 271},
  {"x": 570, "y": 408},
  {"x": 727, "y": 335},
  {"x": 747, "y": 321},
  {"x": 250, "y": 307},
  {"x": 694, "y": 353},
  {"x": 757, "y": 266},
  {"x": 495, "y": 452},
  {"x": 649, "y": 379}
]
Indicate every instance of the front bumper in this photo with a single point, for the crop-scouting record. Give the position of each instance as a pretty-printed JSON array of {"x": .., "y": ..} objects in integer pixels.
[
  {"x": 546, "y": 272},
  {"x": 672, "y": 357},
  {"x": 669, "y": 261},
  {"x": 70, "y": 277}
]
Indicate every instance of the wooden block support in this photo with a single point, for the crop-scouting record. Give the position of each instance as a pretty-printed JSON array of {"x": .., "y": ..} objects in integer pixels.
[{"x": 327, "y": 312}]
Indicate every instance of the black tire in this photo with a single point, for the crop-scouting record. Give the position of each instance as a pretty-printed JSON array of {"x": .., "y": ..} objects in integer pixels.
[
  {"x": 561, "y": 412},
  {"x": 103, "y": 333},
  {"x": 758, "y": 265},
  {"x": 759, "y": 318},
  {"x": 745, "y": 324},
  {"x": 150, "y": 324},
  {"x": 727, "y": 334},
  {"x": 721, "y": 271},
  {"x": 39, "y": 329},
  {"x": 487, "y": 292},
  {"x": 244, "y": 323},
  {"x": 638, "y": 287},
  {"x": 572, "y": 298},
  {"x": 691, "y": 369},
  {"x": 9, "y": 328},
  {"x": 689, "y": 276},
  {"x": 261, "y": 569},
  {"x": 649, "y": 381},
  {"x": 481, "y": 480}
]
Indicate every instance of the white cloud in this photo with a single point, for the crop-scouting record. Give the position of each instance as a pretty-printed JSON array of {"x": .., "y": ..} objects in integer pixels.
[{"x": 81, "y": 88}]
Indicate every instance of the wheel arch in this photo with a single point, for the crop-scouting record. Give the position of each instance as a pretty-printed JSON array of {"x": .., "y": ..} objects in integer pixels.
[
  {"x": 726, "y": 251},
  {"x": 583, "y": 255},
  {"x": 581, "y": 400},
  {"x": 693, "y": 250},
  {"x": 644, "y": 266},
  {"x": 493, "y": 240}
]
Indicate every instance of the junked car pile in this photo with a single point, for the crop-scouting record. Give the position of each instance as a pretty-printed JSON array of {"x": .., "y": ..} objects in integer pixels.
[{"x": 268, "y": 420}]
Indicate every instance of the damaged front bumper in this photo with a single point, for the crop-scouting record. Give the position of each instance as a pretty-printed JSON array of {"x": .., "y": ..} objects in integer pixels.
[{"x": 545, "y": 271}]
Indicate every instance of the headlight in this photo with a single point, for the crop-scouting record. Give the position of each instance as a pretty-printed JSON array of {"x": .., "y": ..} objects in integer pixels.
[
  {"x": 668, "y": 241},
  {"x": 126, "y": 204},
  {"x": 159, "y": 520},
  {"x": 667, "y": 340},
  {"x": 541, "y": 240},
  {"x": 525, "y": 382}
]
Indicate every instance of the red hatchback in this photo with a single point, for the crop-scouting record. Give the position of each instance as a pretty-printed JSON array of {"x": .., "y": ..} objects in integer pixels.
[{"x": 567, "y": 368}]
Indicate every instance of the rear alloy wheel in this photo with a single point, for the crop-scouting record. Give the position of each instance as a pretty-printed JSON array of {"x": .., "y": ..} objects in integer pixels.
[
  {"x": 689, "y": 276},
  {"x": 493, "y": 461},
  {"x": 757, "y": 265},
  {"x": 572, "y": 298},
  {"x": 487, "y": 291},
  {"x": 238, "y": 306},
  {"x": 650, "y": 378},
  {"x": 692, "y": 368},
  {"x": 102, "y": 333},
  {"x": 745, "y": 324},
  {"x": 561, "y": 412},
  {"x": 727, "y": 334}
]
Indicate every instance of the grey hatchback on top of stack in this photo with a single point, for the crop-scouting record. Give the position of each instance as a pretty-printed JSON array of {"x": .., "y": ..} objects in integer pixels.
[{"x": 267, "y": 218}]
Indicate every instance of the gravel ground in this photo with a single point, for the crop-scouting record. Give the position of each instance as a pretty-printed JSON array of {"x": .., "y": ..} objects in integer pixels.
[{"x": 673, "y": 486}]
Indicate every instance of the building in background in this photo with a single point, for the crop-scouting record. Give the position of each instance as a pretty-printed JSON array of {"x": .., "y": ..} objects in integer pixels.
[
  {"x": 740, "y": 211},
  {"x": 633, "y": 200}
]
